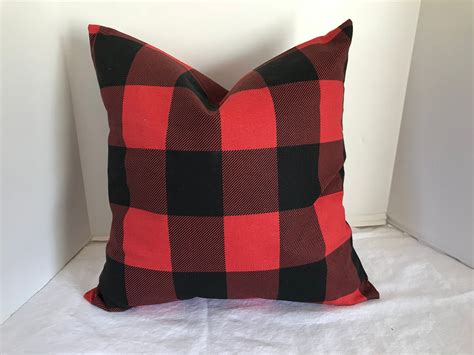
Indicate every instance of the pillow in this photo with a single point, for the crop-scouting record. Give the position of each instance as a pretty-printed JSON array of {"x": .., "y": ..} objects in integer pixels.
[{"x": 226, "y": 194}]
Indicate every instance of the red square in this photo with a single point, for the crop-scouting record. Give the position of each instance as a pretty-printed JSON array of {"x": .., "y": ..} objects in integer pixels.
[
  {"x": 248, "y": 120},
  {"x": 332, "y": 221},
  {"x": 93, "y": 28},
  {"x": 332, "y": 94},
  {"x": 145, "y": 116},
  {"x": 252, "y": 242},
  {"x": 145, "y": 241}
]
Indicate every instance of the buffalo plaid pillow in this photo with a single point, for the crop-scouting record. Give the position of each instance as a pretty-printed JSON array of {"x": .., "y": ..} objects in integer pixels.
[{"x": 226, "y": 194}]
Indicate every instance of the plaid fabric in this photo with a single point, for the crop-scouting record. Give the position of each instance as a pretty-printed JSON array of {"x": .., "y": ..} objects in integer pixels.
[{"x": 226, "y": 194}]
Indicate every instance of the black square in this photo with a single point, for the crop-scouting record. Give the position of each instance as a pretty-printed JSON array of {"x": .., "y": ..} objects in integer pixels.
[
  {"x": 112, "y": 284},
  {"x": 250, "y": 181},
  {"x": 118, "y": 189},
  {"x": 113, "y": 57},
  {"x": 291, "y": 67},
  {"x": 298, "y": 181},
  {"x": 200, "y": 284},
  {"x": 306, "y": 283},
  {"x": 348, "y": 31},
  {"x": 194, "y": 183},
  {"x": 187, "y": 80}
]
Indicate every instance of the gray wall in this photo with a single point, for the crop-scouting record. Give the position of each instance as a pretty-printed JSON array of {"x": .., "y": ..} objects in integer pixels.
[
  {"x": 44, "y": 216},
  {"x": 431, "y": 194}
]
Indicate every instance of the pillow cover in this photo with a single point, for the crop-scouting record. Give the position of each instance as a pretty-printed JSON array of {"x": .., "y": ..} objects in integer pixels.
[{"x": 226, "y": 194}]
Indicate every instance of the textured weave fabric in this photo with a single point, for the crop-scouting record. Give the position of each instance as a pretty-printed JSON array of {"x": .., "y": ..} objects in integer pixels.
[{"x": 226, "y": 194}]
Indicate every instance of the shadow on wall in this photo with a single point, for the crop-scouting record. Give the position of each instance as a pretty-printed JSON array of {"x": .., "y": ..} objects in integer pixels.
[
  {"x": 431, "y": 192},
  {"x": 70, "y": 208},
  {"x": 91, "y": 126},
  {"x": 91, "y": 118}
]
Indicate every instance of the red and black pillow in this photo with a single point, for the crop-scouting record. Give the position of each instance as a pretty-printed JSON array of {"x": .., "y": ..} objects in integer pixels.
[{"x": 226, "y": 194}]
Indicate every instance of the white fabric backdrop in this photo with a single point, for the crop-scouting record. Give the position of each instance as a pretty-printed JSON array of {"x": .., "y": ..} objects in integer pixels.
[{"x": 426, "y": 307}]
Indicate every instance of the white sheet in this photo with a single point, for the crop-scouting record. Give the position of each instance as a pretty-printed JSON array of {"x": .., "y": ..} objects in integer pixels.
[{"x": 426, "y": 306}]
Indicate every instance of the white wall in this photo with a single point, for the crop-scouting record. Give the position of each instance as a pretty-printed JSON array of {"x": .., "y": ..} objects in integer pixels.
[
  {"x": 226, "y": 40},
  {"x": 44, "y": 219},
  {"x": 432, "y": 192}
]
